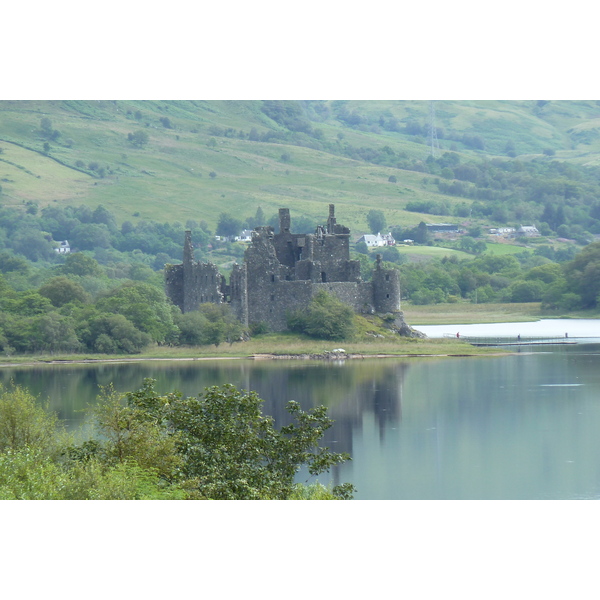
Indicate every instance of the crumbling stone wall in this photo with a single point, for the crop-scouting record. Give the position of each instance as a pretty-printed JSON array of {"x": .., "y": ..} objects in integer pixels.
[{"x": 281, "y": 273}]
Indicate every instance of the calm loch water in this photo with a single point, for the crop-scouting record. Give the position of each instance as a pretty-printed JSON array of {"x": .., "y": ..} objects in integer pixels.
[{"x": 523, "y": 426}]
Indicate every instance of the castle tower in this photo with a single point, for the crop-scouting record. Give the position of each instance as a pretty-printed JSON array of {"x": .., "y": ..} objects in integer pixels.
[
  {"x": 188, "y": 271},
  {"x": 284, "y": 220},
  {"x": 331, "y": 220},
  {"x": 386, "y": 288},
  {"x": 188, "y": 250}
]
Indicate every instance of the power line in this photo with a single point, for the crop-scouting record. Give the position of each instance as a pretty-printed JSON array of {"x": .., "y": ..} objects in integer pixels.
[{"x": 433, "y": 139}]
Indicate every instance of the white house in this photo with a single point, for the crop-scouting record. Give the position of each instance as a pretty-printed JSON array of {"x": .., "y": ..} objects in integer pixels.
[
  {"x": 528, "y": 231},
  {"x": 502, "y": 230},
  {"x": 63, "y": 247},
  {"x": 373, "y": 241},
  {"x": 245, "y": 236}
]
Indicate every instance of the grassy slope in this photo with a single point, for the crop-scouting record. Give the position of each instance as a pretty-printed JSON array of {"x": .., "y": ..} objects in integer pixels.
[{"x": 169, "y": 179}]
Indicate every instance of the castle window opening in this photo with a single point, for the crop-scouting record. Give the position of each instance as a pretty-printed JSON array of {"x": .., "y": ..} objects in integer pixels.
[
  {"x": 272, "y": 277},
  {"x": 323, "y": 277},
  {"x": 387, "y": 277}
]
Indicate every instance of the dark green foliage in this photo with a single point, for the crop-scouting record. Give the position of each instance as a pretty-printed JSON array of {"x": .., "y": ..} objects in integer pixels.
[
  {"x": 217, "y": 445},
  {"x": 32, "y": 244},
  {"x": 325, "y": 317},
  {"x": 392, "y": 254},
  {"x": 61, "y": 290},
  {"x": 112, "y": 334},
  {"x": 230, "y": 451},
  {"x": 260, "y": 328},
  {"x": 192, "y": 328},
  {"x": 10, "y": 263},
  {"x": 376, "y": 221},
  {"x": 24, "y": 424},
  {"x": 145, "y": 306},
  {"x": 138, "y": 138},
  {"x": 583, "y": 275},
  {"x": 418, "y": 234},
  {"x": 288, "y": 113},
  {"x": 24, "y": 303},
  {"x": 229, "y": 226},
  {"x": 361, "y": 248},
  {"x": 210, "y": 324},
  {"x": 81, "y": 264},
  {"x": 526, "y": 291}
]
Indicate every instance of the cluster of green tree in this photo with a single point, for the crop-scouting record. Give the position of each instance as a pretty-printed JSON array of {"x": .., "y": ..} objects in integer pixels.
[
  {"x": 210, "y": 324},
  {"x": 325, "y": 317},
  {"x": 525, "y": 277},
  {"x": 79, "y": 309},
  {"x": 133, "y": 251},
  {"x": 561, "y": 198},
  {"x": 217, "y": 445}
]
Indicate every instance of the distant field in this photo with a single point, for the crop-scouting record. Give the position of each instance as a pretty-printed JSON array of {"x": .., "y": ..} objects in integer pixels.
[
  {"x": 502, "y": 249},
  {"x": 432, "y": 252},
  {"x": 467, "y": 312}
]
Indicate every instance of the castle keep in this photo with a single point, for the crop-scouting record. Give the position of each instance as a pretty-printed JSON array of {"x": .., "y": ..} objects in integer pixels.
[{"x": 281, "y": 273}]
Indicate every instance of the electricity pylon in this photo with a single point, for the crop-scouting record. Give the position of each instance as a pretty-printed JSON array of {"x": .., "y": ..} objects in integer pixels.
[{"x": 433, "y": 139}]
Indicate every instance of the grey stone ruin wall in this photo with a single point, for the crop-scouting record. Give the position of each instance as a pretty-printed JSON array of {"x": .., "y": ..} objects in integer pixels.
[
  {"x": 281, "y": 273},
  {"x": 333, "y": 253},
  {"x": 283, "y": 297},
  {"x": 263, "y": 272},
  {"x": 358, "y": 296},
  {"x": 203, "y": 283},
  {"x": 238, "y": 293},
  {"x": 174, "y": 284}
]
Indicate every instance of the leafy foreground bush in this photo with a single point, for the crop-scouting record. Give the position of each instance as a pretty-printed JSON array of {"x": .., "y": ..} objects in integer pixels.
[{"x": 217, "y": 445}]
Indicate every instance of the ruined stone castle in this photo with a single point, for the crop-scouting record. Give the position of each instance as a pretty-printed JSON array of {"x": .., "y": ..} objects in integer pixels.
[{"x": 281, "y": 273}]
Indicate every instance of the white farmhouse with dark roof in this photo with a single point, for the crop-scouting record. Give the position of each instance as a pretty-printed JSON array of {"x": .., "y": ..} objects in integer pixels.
[{"x": 63, "y": 247}]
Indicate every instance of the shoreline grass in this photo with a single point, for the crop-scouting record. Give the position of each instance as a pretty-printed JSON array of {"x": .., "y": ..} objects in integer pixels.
[
  {"x": 268, "y": 346},
  {"x": 276, "y": 345}
]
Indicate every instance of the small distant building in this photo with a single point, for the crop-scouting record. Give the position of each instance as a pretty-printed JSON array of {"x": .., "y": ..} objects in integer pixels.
[
  {"x": 502, "y": 230},
  {"x": 442, "y": 227},
  {"x": 63, "y": 247},
  {"x": 376, "y": 241},
  {"x": 527, "y": 231},
  {"x": 245, "y": 236}
]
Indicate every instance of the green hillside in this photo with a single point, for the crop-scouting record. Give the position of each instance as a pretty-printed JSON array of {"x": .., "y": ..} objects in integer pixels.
[{"x": 303, "y": 155}]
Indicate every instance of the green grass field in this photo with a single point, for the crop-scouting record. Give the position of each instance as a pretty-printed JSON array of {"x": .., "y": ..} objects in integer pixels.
[
  {"x": 169, "y": 179},
  {"x": 467, "y": 312}
]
